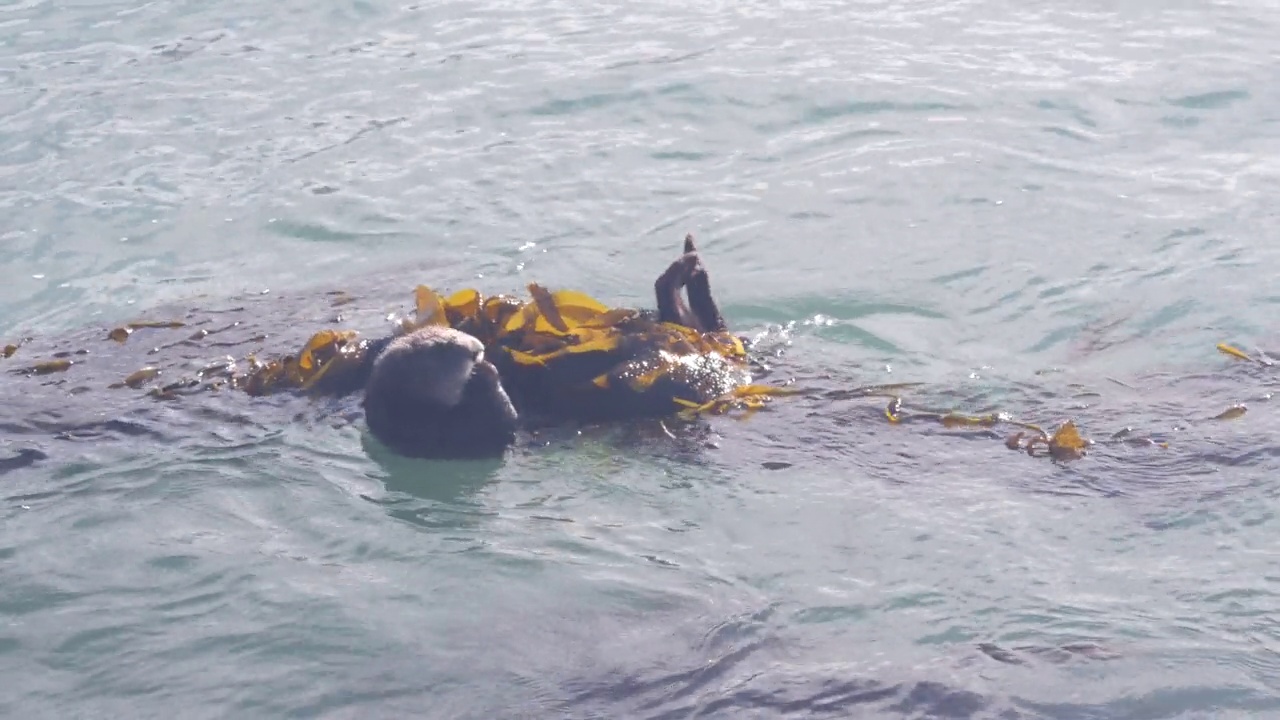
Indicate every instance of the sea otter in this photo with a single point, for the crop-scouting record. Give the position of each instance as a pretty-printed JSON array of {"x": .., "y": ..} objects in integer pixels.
[
  {"x": 433, "y": 393},
  {"x": 456, "y": 380}
]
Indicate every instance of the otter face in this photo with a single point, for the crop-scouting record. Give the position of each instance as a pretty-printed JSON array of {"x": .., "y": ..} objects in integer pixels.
[{"x": 431, "y": 394}]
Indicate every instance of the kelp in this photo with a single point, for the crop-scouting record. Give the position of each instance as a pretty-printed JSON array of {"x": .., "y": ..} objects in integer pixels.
[
  {"x": 1065, "y": 443},
  {"x": 1231, "y": 413},
  {"x": 48, "y": 367},
  {"x": 329, "y": 353},
  {"x": 554, "y": 326},
  {"x": 137, "y": 378},
  {"x": 1239, "y": 354},
  {"x": 1239, "y": 409},
  {"x": 122, "y": 333},
  {"x": 748, "y": 398},
  {"x": 534, "y": 333}
]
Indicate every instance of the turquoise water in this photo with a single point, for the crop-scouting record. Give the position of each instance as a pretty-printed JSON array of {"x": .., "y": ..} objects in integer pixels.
[{"x": 1008, "y": 201}]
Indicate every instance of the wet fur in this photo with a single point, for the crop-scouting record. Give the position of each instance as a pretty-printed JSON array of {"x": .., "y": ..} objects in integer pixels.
[{"x": 431, "y": 394}]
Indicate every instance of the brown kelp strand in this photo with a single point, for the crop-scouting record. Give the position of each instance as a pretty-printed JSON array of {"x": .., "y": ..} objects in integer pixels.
[
  {"x": 137, "y": 379},
  {"x": 122, "y": 333},
  {"x": 48, "y": 367}
]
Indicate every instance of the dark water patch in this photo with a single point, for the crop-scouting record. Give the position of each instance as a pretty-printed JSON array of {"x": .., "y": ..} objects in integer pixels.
[
  {"x": 23, "y": 600},
  {"x": 1211, "y": 100},
  {"x": 966, "y": 274},
  {"x": 1068, "y": 133},
  {"x": 595, "y": 101},
  {"x": 817, "y": 114},
  {"x": 1181, "y": 122},
  {"x": 681, "y": 155},
  {"x": 1167, "y": 703}
]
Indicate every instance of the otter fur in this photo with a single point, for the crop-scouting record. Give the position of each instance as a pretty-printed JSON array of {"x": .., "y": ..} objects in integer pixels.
[{"x": 431, "y": 394}]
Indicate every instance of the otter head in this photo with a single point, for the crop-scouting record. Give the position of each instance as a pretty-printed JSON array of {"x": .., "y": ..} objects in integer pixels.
[{"x": 431, "y": 394}]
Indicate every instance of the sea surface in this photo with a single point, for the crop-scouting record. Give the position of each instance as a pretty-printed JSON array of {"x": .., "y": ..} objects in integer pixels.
[{"x": 1051, "y": 209}]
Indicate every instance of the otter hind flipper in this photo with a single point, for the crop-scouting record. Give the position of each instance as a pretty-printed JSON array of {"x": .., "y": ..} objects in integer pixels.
[
  {"x": 701, "y": 301},
  {"x": 687, "y": 274},
  {"x": 667, "y": 290}
]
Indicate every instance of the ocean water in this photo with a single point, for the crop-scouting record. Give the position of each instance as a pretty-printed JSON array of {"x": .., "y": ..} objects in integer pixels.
[{"x": 1051, "y": 209}]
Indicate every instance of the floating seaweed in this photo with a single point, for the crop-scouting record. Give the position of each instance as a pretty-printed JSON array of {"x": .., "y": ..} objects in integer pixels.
[
  {"x": 137, "y": 379},
  {"x": 1239, "y": 354},
  {"x": 1231, "y": 413},
  {"x": 555, "y": 326},
  {"x": 1063, "y": 444},
  {"x": 328, "y": 354},
  {"x": 122, "y": 333},
  {"x": 48, "y": 367}
]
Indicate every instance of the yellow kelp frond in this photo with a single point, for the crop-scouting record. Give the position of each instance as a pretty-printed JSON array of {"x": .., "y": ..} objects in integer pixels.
[
  {"x": 613, "y": 318},
  {"x": 465, "y": 310},
  {"x": 462, "y": 305},
  {"x": 565, "y": 322},
  {"x": 429, "y": 308},
  {"x": 539, "y": 350},
  {"x": 499, "y": 308},
  {"x": 1239, "y": 354},
  {"x": 749, "y": 398},
  {"x": 556, "y": 313},
  {"x": 325, "y": 340},
  {"x": 554, "y": 324},
  {"x": 327, "y": 354},
  {"x": 726, "y": 344},
  {"x": 1234, "y": 352},
  {"x": 1067, "y": 443}
]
